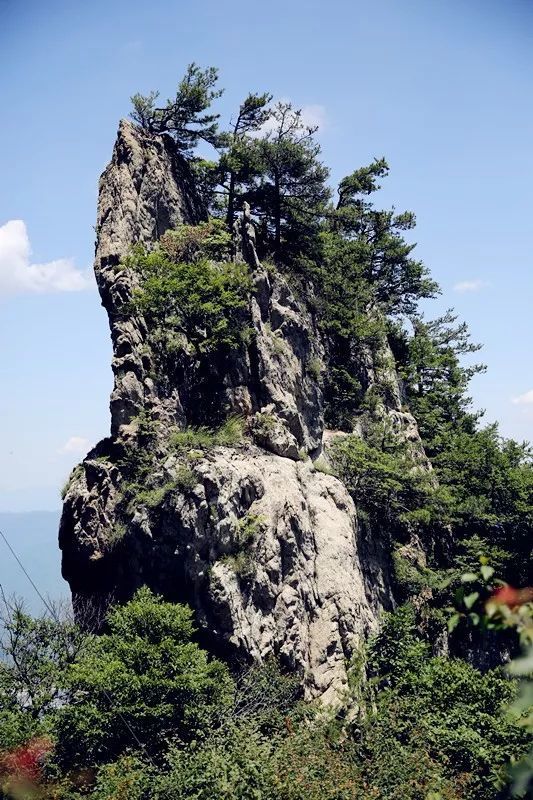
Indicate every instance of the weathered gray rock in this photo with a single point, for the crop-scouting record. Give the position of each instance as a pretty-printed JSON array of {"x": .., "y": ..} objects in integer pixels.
[
  {"x": 293, "y": 587},
  {"x": 271, "y": 432},
  {"x": 145, "y": 190}
]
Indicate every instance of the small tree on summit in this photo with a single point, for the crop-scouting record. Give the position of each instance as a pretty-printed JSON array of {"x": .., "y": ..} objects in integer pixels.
[
  {"x": 239, "y": 162},
  {"x": 186, "y": 117},
  {"x": 291, "y": 192}
]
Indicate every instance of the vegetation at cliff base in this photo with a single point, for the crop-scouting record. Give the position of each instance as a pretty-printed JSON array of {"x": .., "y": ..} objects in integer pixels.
[{"x": 141, "y": 711}]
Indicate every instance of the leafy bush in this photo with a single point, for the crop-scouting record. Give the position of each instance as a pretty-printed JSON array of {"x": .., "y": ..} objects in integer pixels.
[
  {"x": 315, "y": 368},
  {"x": 264, "y": 424},
  {"x": 241, "y": 563},
  {"x": 235, "y": 764},
  {"x": 144, "y": 680},
  {"x": 185, "y": 480},
  {"x": 207, "y": 240},
  {"x": 240, "y": 558},
  {"x": 127, "y": 778},
  {"x": 247, "y": 528},
  {"x": 153, "y": 498},
  {"x": 204, "y": 302},
  {"x": 380, "y": 474},
  {"x": 434, "y": 722},
  {"x": 321, "y": 465}
]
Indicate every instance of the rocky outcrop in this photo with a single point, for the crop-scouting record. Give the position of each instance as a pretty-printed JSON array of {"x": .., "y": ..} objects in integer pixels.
[
  {"x": 265, "y": 546},
  {"x": 145, "y": 190}
]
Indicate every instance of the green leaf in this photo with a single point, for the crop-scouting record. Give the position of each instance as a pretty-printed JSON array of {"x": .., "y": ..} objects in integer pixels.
[
  {"x": 469, "y": 577},
  {"x": 470, "y": 599},
  {"x": 487, "y": 572},
  {"x": 453, "y": 622}
]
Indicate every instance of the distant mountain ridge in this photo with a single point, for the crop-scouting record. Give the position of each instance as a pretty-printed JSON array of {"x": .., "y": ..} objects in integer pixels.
[{"x": 33, "y": 537}]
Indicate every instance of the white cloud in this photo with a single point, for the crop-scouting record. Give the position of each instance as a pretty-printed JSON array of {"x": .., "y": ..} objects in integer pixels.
[
  {"x": 313, "y": 116},
  {"x": 525, "y": 399},
  {"x": 76, "y": 444},
  {"x": 469, "y": 286},
  {"x": 18, "y": 274}
]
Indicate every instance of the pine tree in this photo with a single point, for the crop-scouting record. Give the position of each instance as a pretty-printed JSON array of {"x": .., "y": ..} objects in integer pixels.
[
  {"x": 291, "y": 193},
  {"x": 239, "y": 162},
  {"x": 186, "y": 118}
]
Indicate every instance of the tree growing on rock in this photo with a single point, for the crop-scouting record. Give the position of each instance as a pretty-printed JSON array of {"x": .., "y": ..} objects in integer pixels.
[
  {"x": 186, "y": 118},
  {"x": 239, "y": 161},
  {"x": 291, "y": 192}
]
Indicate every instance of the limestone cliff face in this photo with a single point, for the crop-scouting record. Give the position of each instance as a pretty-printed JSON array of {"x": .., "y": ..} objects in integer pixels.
[
  {"x": 144, "y": 191},
  {"x": 264, "y": 546}
]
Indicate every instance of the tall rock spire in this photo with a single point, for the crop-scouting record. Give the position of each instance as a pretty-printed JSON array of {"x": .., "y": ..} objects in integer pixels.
[{"x": 266, "y": 547}]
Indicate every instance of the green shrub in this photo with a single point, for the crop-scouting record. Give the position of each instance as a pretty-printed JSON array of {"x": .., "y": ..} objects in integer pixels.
[
  {"x": 247, "y": 529},
  {"x": 380, "y": 473},
  {"x": 207, "y": 240},
  {"x": 241, "y": 563},
  {"x": 229, "y": 434},
  {"x": 321, "y": 465},
  {"x": 410, "y": 576},
  {"x": 240, "y": 559},
  {"x": 279, "y": 344},
  {"x": 144, "y": 675},
  {"x": 204, "y": 302},
  {"x": 235, "y": 764},
  {"x": 128, "y": 778},
  {"x": 314, "y": 763},
  {"x": 199, "y": 438},
  {"x": 315, "y": 367},
  {"x": 153, "y": 498},
  {"x": 185, "y": 479},
  {"x": 434, "y": 723},
  {"x": 264, "y": 424}
]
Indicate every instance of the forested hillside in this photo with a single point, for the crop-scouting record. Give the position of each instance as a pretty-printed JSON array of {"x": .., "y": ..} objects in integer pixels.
[{"x": 299, "y": 564}]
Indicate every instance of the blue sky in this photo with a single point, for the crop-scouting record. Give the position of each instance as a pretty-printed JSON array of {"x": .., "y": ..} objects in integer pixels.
[{"x": 443, "y": 90}]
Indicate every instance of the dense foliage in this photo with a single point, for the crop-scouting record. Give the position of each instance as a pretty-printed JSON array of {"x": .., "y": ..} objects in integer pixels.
[
  {"x": 146, "y": 673},
  {"x": 198, "y": 303},
  {"x": 145, "y": 713}
]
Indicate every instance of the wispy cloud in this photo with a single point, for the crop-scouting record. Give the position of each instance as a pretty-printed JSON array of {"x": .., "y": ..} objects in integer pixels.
[
  {"x": 76, "y": 444},
  {"x": 132, "y": 47},
  {"x": 313, "y": 116},
  {"x": 469, "y": 286},
  {"x": 19, "y": 275},
  {"x": 525, "y": 399}
]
